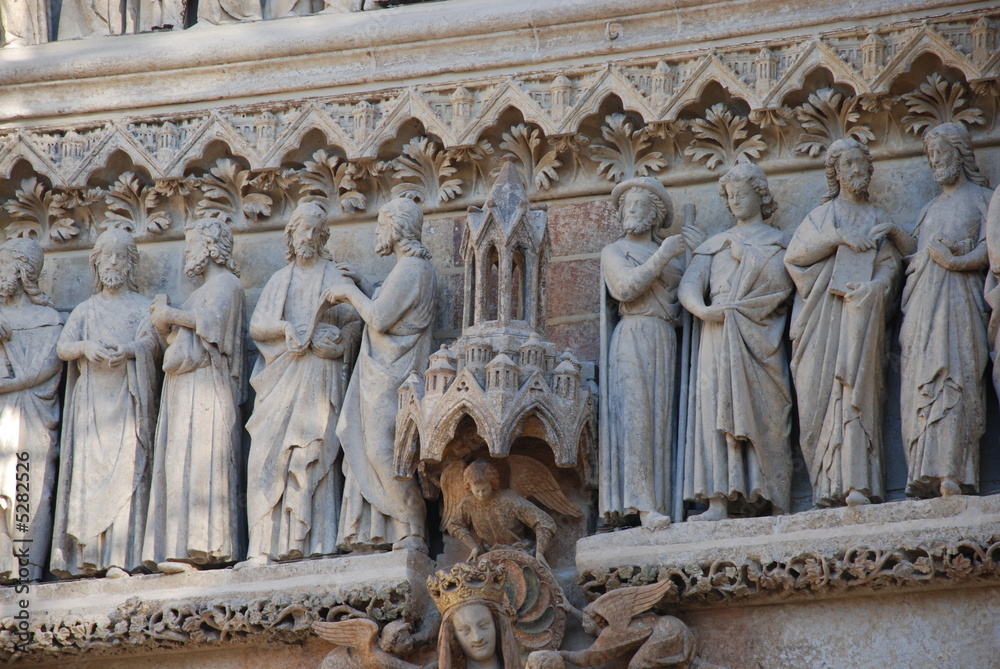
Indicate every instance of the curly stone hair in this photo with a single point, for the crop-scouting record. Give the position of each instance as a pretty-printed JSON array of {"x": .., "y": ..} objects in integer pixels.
[
  {"x": 219, "y": 237},
  {"x": 753, "y": 175}
]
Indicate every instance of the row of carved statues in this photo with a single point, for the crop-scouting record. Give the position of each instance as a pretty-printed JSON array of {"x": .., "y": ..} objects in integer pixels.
[
  {"x": 845, "y": 272},
  {"x": 27, "y": 22},
  {"x": 147, "y": 473}
]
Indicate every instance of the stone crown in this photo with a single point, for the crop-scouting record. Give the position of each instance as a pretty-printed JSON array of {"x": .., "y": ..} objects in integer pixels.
[{"x": 466, "y": 582}]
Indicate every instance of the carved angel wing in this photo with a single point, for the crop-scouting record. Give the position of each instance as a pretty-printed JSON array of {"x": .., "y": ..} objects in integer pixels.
[
  {"x": 530, "y": 478},
  {"x": 618, "y": 607},
  {"x": 353, "y": 633},
  {"x": 452, "y": 491}
]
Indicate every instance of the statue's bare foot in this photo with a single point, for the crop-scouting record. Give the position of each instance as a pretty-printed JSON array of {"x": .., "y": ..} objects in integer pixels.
[
  {"x": 411, "y": 543},
  {"x": 171, "y": 567},
  {"x": 856, "y": 498},
  {"x": 717, "y": 510},
  {"x": 950, "y": 487},
  {"x": 116, "y": 572},
  {"x": 249, "y": 563},
  {"x": 653, "y": 520}
]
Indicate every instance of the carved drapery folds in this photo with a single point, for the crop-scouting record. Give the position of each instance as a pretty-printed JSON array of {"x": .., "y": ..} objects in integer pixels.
[{"x": 578, "y": 129}]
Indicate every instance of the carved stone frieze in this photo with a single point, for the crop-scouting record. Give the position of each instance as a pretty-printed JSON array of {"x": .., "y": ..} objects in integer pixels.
[
  {"x": 570, "y": 130},
  {"x": 860, "y": 568},
  {"x": 143, "y": 625},
  {"x": 896, "y": 546}
]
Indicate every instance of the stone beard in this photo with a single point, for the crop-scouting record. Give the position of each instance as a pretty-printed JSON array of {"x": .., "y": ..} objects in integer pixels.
[
  {"x": 741, "y": 451},
  {"x": 111, "y": 399},
  {"x": 378, "y": 509},
  {"x": 943, "y": 338},
  {"x": 838, "y": 339},
  {"x": 30, "y": 371},
  {"x": 642, "y": 277},
  {"x": 293, "y": 490},
  {"x": 194, "y": 507}
]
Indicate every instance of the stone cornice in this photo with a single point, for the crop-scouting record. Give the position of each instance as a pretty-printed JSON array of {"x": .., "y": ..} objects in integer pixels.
[
  {"x": 893, "y": 547},
  {"x": 322, "y": 54}
]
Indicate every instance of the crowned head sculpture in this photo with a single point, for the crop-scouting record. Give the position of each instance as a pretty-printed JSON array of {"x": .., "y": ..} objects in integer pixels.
[{"x": 476, "y": 618}]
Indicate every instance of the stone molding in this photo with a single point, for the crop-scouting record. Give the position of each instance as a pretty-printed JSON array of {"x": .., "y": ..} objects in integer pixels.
[
  {"x": 932, "y": 544},
  {"x": 361, "y": 49},
  {"x": 438, "y": 142},
  {"x": 276, "y": 603}
]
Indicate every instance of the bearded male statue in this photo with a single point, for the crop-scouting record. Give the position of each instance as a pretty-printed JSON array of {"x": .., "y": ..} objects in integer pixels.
[
  {"x": 380, "y": 511},
  {"x": 844, "y": 259},
  {"x": 194, "y": 509},
  {"x": 307, "y": 349},
  {"x": 641, "y": 273},
  {"x": 111, "y": 398},
  {"x": 943, "y": 338},
  {"x": 30, "y": 372}
]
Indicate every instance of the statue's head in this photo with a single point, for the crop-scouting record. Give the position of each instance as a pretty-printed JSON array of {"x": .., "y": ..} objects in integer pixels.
[
  {"x": 21, "y": 261},
  {"x": 208, "y": 240},
  {"x": 400, "y": 221},
  {"x": 745, "y": 190},
  {"x": 949, "y": 151},
  {"x": 849, "y": 167},
  {"x": 114, "y": 260},
  {"x": 643, "y": 204},
  {"x": 475, "y": 616},
  {"x": 307, "y": 232},
  {"x": 482, "y": 479}
]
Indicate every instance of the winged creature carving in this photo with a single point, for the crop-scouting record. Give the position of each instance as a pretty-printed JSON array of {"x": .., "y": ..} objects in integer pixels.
[
  {"x": 483, "y": 516},
  {"x": 358, "y": 646}
]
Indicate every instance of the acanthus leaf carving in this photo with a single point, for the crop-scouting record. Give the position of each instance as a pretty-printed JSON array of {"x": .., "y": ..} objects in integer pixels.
[
  {"x": 722, "y": 138},
  {"x": 423, "y": 172},
  {"x": 131, "y": 205},
  {"x": 936, "y": 101},
  {"x": 627, "y": 153},
  {"x": 474, "y": 154},
  {"x": 334, "y": 178},
  {"x": 827, "y": 117},
  {"x": 39, "y": 211},
  {"x": 228, "y": 194},
  {"x": 538, "y": 169}
]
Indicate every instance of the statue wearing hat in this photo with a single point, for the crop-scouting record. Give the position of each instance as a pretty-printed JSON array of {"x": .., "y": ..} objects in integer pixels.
[{"x": 640, "y": 275}]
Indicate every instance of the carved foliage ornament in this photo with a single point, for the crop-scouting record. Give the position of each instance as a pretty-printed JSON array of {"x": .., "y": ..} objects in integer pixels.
[
  {"x": 810, "y": 574},
  {"x": 354, "y": 174}
]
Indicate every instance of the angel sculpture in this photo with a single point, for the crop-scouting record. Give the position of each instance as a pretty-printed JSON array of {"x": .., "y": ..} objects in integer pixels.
[
  {"x": 623, "y": 624},
  {"x": 482, "y": 516},
  {"x": 359, "y": 646}
]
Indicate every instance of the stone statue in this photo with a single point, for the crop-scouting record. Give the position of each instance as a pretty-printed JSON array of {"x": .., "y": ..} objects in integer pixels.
[
  {"x": 96, "y": 18},
  {"x": 306, "y": 352},
  {"x": 24, "y": 22},
  {"x": 992, "y": 226},
  {"x": 944, "y": 337},
  {"x": 30, "y": 372},
  {"x": 845, "y": 261},
  {"x": 480, "y": 514},
  {"x": 626, "y": 628},
  {"x": 217, "y": 12},
  {"x": 737, "y": 285},
  {"x": 378, "y": 509},
  {"x": 194, "y": 508},
  {"x": 161, "y": 15},
  {"x": 476, "y": 619},
  {"x": 111, "y": 398},
  {"x": 641, "y": 273}
]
